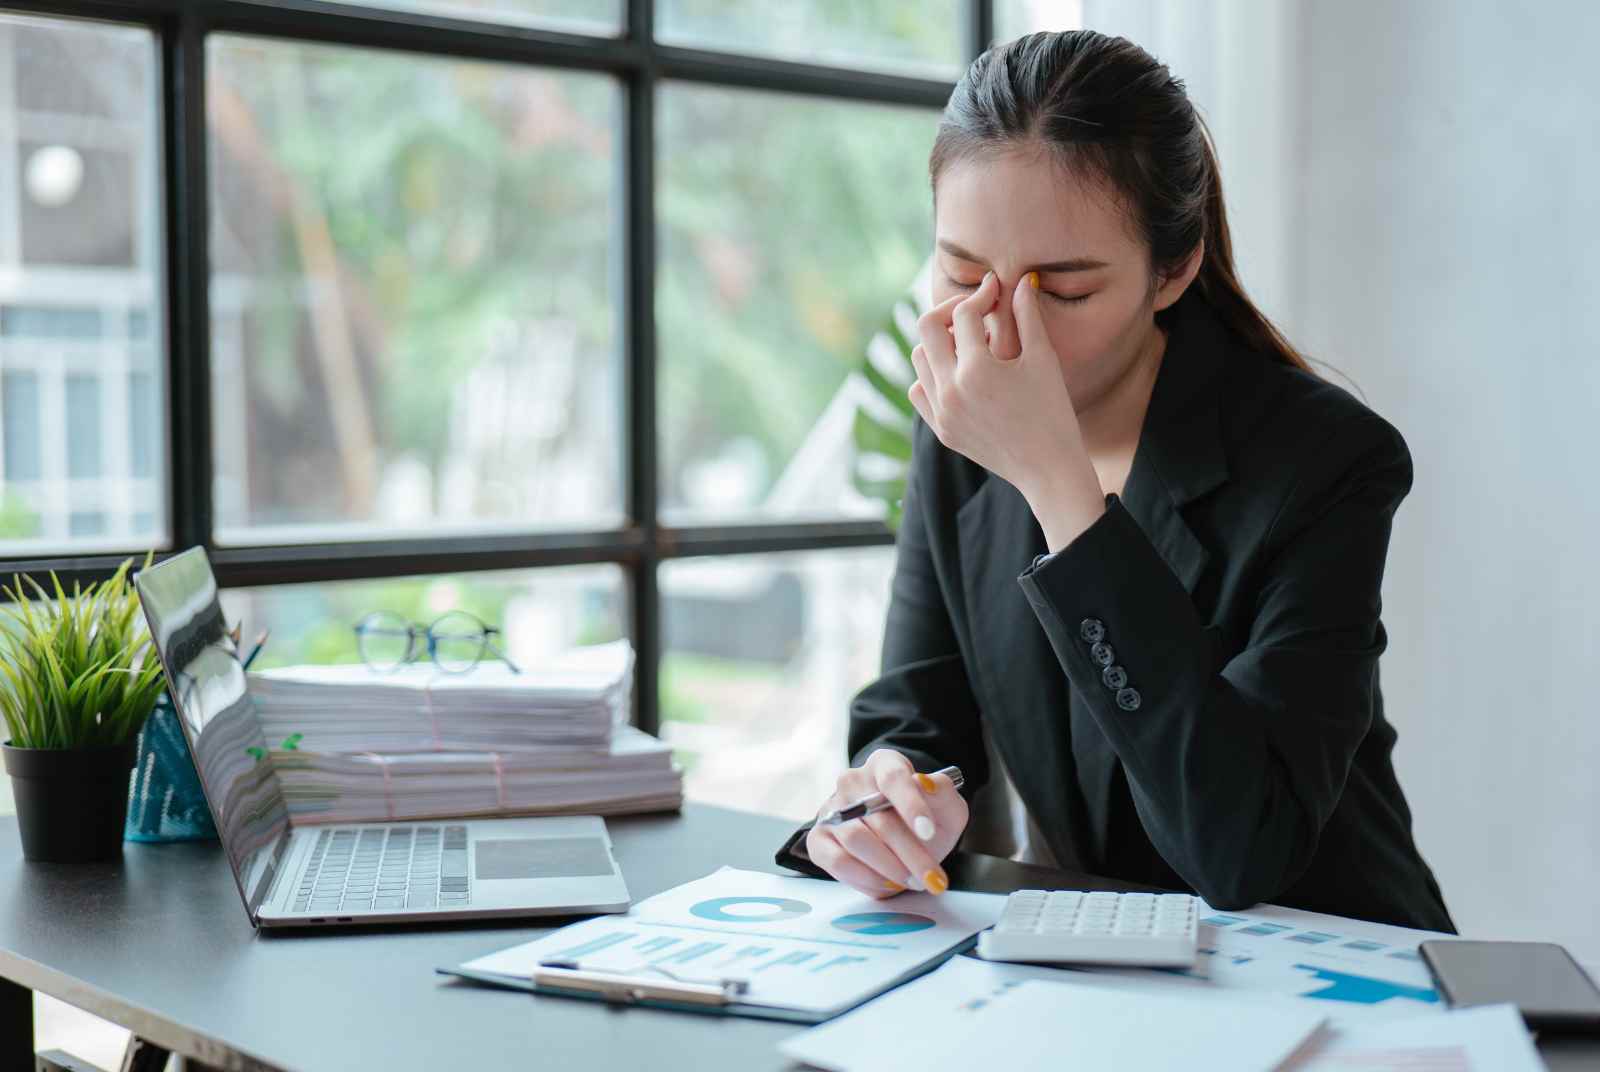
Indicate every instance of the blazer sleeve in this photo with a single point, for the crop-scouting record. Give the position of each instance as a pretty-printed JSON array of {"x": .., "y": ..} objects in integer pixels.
[
  {"x": 1235, "y": 769},
  {"x": 922, "y": 703}
]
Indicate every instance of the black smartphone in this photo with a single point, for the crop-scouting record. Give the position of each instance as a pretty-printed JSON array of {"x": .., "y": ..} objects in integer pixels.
[{"x": 1540, "y": 978}]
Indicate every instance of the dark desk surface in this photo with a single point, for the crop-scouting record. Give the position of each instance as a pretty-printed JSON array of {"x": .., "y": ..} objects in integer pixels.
[{"x": 160, "y": 943}]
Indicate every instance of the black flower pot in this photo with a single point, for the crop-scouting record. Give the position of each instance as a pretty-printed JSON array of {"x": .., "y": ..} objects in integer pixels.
[{"x": 72, "y": 803}]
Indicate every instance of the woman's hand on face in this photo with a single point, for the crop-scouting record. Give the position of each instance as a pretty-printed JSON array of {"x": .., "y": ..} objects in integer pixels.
[
  {"x": 1014, "y": 417},
  {"x": 899, "y": 847}
]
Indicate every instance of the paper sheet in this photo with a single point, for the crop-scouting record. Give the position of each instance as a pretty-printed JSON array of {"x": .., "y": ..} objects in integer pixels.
[
  {"x": 1356, "y": 971},
  {"x": 1490, "y": 1037},
  {"x": 972, "y": 1013},
  {"x": 803, "y": 944}
]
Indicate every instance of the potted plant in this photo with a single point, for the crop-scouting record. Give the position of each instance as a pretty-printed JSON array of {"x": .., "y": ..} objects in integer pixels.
[{"x": 78, "y": 678}]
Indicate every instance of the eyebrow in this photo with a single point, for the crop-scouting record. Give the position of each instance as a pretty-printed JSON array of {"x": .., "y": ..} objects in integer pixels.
[{"x": 1074, "y": 264}]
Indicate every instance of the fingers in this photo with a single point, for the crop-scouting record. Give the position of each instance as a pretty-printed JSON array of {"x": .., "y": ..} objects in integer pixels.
[
  {"x": 972, "y": 338},
  {"x": 894, "y": 778},
  {"x": 829, "y": 854},
  {"x": 1025, "y": 309},
  {"x": 938, "y": 347}
]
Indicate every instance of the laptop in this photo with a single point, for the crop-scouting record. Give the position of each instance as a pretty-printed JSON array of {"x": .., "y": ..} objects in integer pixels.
[{"x": 361, "y": 873}]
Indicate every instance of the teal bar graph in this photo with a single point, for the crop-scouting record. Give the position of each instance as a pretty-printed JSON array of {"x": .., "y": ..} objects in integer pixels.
[
  {"x": 655, "y": 944},
  {"x": 603, "y": 942},
  {"x": 789, "y": 958},
  {"x": 694, "y": 952},
  {"x": 841, "y": 962}
]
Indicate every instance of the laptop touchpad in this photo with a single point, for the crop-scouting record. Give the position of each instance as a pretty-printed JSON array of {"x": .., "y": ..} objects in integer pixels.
[{"x": 555, "y": 857}]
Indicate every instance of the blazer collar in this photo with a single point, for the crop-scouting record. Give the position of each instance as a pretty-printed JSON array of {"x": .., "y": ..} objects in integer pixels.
[{"x": 1180, "y": 455}]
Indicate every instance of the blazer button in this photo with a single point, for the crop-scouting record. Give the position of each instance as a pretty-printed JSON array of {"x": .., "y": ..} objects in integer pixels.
[
  {"x": 1115, "y": 677},
  {"x": 1102, "y": 654},
  {"x": 1092, "y": 630},
  {"x": 1128, "y": 699}
]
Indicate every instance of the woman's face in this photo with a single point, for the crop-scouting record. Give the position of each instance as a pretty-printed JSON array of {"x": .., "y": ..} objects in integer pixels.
[{"x": 1019, "y": 213}]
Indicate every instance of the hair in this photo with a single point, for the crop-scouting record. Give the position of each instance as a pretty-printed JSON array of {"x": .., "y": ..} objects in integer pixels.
[{"x": 1105, "y": 110}]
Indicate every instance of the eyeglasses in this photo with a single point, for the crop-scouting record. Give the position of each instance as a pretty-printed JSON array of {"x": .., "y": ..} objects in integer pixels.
[{"x": 456, "y": 641}]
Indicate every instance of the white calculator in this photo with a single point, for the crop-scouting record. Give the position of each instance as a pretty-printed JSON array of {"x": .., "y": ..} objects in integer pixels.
[{"x": 1074, "y": 927}]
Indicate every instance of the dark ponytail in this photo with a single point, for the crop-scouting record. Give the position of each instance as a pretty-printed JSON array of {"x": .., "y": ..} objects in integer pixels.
[{"x": 1105, "y": 110}]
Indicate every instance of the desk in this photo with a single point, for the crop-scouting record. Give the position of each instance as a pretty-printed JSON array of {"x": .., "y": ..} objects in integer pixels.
[{"x": 160, "y": 944}]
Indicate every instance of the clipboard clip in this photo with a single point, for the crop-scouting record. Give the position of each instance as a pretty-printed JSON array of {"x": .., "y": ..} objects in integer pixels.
[{"x": 629, "y": 988}]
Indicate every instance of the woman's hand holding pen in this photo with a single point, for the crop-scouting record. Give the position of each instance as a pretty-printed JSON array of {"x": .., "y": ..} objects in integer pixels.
[
  {"x": 1013, "y": 416},
  {"x": 900, "y": 847}
]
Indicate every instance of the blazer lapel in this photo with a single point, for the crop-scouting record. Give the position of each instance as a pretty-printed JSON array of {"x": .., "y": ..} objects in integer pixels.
[
  {"x": 1059, "y": 760},
  {"x": 1023, "y": 694}
]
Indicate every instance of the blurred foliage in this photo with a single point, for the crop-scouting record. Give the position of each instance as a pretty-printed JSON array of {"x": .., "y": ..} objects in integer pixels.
[
  {"x": 18, "y": 520},
  {"x": 882, "y": 433},
  {"x": 464, "y": 196}
]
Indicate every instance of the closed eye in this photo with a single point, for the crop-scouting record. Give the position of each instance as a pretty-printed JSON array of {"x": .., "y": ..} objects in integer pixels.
[{"x": 1046, "y": 293}]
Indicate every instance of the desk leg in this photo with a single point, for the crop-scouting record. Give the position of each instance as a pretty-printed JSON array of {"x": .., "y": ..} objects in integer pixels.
[{"x": 16, "y": 1025}]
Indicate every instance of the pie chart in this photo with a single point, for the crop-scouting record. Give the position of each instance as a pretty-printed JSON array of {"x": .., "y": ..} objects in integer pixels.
[
  {"x": 749, "y": 909},
  {"x": 882, "y": 923}
]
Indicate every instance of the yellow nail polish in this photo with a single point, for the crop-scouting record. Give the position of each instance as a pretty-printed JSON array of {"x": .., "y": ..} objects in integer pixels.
[
  {"x": 927, "y": 783},
  {"x": 1033, "y": 280},
  {"x": 936, "y": 881},
  {"x": 895, "y": 886}
]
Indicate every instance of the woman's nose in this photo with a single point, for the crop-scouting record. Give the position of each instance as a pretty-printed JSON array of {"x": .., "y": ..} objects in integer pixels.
[{"x": 1001, "y": 326}]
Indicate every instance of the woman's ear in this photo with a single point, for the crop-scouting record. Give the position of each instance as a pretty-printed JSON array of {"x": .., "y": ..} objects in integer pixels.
[{"x": 1171, "y": 287}]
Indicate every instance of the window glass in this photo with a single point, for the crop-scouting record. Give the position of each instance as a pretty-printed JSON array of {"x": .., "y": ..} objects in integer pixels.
[
  {"x": 913, "y": 37},
  {"x": 540, "y": 611},
  {"x": 788, "y": 229},
  {"x": 81, "y": 375},
  {"x": 761, "y": 656},
  {"x": 571, "y": 16},
  {"x": 412, "y": 296}
]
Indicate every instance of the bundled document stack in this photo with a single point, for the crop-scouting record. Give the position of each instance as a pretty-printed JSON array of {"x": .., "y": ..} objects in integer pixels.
[
  {"x": 352, "y": 744},
  {"x": 573, "y": 699}
]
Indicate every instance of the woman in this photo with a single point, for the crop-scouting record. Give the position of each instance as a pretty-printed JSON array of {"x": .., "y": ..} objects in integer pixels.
[{"x": 1142, "y": 542}]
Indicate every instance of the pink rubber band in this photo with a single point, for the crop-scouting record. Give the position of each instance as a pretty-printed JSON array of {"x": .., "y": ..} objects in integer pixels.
[
  {"x": 433, "y": 718},
  {"x": 388, "y": 789},
  {"x": 499, "y": 781}
]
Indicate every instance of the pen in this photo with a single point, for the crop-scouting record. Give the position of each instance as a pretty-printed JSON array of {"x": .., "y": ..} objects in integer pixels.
[
  {"x": 877, "y": 802},
  {"x": 261, "y": 642}
]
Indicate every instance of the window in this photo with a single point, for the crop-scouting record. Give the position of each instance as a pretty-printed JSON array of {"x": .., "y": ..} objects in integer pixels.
[
  {"x": 573, "y": 16},
  {"x": 920, "y": 37},
  {"x": 551, "y": 309},
  {"x": 81, "y": 378},
  {"x": 762, "y": 654},
  {"x": 540, "y": 611},
  {"x": 411, "y": 297},
  {"x": 785, "y": 236}
]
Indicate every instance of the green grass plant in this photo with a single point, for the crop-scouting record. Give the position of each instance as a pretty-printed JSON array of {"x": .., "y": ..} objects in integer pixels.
[{"x": 78, "y": 670}]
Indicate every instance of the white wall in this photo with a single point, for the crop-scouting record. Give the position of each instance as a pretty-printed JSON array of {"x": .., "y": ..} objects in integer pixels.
[{"x": 1414, "y": 193}]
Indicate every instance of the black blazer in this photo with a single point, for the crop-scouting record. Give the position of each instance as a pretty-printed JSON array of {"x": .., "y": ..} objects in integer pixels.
[{"x": 1187, "y": 694}]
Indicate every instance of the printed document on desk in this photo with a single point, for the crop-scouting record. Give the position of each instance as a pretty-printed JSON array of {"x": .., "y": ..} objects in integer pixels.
[
  {"x": 974, "y": 1013},
  {"x": 1357, "y": 971},
  {"x": 809, "y": 949}
]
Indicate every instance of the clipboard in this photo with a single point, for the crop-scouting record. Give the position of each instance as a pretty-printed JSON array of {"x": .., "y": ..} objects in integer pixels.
[{"x": 662, "y": 990}]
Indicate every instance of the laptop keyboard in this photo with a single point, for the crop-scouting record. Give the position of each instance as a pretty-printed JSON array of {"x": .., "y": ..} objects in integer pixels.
[{"x": 358, "y": 868}]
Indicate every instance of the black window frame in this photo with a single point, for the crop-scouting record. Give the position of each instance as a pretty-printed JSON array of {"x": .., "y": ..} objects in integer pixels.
[{"x": 639, "y": 63}]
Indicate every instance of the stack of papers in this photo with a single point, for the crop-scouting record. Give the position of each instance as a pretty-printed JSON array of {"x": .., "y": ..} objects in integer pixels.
[
  {"x": 351, "y": 744},
  {"x": 633, "y": 773},
  {"x": 574, "y": 699}
]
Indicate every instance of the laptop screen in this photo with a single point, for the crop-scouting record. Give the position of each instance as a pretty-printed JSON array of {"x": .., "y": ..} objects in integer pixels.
[{"x": 208, "y": 685}]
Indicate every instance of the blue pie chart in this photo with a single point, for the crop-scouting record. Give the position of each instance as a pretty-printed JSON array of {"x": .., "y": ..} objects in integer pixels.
[
  {"x": 882, "y": 923},
  {"x": 749, "y": 909}
]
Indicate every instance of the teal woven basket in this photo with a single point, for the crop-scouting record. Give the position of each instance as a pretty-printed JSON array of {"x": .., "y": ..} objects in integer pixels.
[{"x": 165, "y": 801}]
